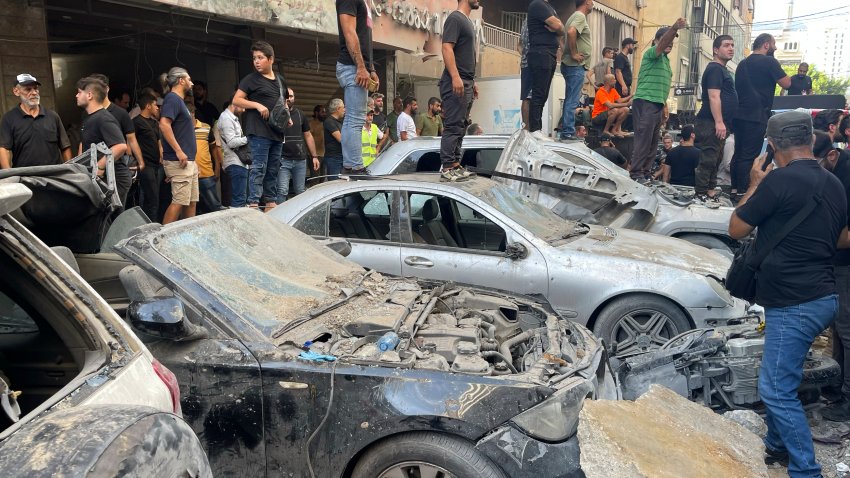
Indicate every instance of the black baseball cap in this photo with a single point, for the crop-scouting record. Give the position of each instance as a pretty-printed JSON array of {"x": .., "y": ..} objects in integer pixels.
[
  {"x": 628, "y": 41},
  {"x": 26, "y": 79},
  {"x": 790, "y": 124}
]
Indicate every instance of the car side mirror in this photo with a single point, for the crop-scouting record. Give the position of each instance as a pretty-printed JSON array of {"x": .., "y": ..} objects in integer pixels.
[
  {"x": 516, "y": 251},
  {"x": 164, "y": 318}
]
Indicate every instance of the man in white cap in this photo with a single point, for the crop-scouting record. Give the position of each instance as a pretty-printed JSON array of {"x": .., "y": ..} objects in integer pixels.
[{"x": 30, "y": 134}]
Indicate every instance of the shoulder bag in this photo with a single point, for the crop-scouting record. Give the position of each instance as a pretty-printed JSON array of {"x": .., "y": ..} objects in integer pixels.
[
  {"x": 741, "y": 276},
  {"x": 279, "y": 115}
]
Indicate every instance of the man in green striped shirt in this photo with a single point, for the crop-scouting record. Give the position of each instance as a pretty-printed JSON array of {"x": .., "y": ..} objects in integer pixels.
[{"x": 653, "y": 87}]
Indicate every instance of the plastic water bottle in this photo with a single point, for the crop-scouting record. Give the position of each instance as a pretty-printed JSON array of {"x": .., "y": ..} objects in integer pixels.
[{"x": 388, "y": 341}]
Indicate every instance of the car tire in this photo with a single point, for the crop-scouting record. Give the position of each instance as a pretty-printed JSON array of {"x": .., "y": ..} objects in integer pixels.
[
  {"x": 639, "y": 323},
  {"x": 451, "y": 456},
  {"x": 820, "y": 371},
  {"x": 708, "y": 242}
]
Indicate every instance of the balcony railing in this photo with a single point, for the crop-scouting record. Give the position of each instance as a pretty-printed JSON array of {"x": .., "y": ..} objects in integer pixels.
[{"x": 500, "y": 38}]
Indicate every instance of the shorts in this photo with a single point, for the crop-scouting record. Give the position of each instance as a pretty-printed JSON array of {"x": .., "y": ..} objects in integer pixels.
[
  {"x": 184, "y": 182},
  {"x": 600, "y": 119},
  {"x": 525, "y": 84}
]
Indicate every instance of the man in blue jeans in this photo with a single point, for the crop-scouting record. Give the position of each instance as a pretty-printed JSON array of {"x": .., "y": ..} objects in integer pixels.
[
  {"x": 795, "y": 282},
  {"x": 293, "y": 163},
  {"x": 574, "y": 65},
  {"x": 355, "y": 74}
]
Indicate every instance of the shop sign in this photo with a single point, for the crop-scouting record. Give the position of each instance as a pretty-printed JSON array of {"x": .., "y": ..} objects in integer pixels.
[{"x": 405, "y": 12}]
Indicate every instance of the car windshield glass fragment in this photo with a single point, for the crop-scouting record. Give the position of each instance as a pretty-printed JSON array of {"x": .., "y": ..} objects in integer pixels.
[
  {"x": 265, "y": 271},
  {"x": 535, "y": 218}
]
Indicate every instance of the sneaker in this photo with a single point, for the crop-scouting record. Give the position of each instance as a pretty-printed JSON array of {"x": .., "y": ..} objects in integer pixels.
[
  {"x": 456, "y": 174},
  {"x": 775, "y": 456},
  {"x": 837, "y": 411}
]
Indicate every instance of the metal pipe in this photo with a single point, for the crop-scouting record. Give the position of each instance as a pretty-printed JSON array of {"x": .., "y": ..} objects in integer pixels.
[{"x": 493, "y": 353}]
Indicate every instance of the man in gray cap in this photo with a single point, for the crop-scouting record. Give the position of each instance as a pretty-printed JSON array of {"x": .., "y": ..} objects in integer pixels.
[
  {"x": 795, "y": 282},
  {"x": 30, "y": 134}
]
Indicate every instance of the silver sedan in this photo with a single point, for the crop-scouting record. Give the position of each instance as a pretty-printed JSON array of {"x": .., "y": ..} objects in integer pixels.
[{"x": 633, "y": 289}]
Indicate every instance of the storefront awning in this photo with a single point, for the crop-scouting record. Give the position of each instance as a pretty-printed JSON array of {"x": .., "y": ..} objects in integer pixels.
[{"x": 615, "y": 14}]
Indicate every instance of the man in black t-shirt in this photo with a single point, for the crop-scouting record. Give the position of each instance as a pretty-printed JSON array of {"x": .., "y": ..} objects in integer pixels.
[
  {"x": 30, "y": 134},
  {"x": 545, "y": 37},
  {"x": 457, "y": 87},
  {"x": 333, "y": 138},
  {"x": 606, "y": 148},
  {"x": 714, "y": 120},
  {"x": 623, "y": 67},
  {"x": 795, "y": 283},
  {"x": 205, "y": 111},
  {"x": 99, "y": 126},
  {"x": 379, "y": 119},
  {"x": 682, "y": 160},
  {"x": 297, "y": 142},
  {"x": 355, "y": 71},
  {"x": 801, "y": 83},
  {"x": 755, "y": 81},
  {"x": 150, "y": 142}
]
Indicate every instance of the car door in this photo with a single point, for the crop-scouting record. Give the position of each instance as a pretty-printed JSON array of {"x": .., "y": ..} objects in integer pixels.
[
  {"x": 365, "y": 219},
  {"x": 452, "y": 239}
]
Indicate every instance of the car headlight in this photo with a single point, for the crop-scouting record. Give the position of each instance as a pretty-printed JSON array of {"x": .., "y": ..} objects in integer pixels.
[
  {"x": 719, "y": 289},
  {"x": 556, "y": 419}
]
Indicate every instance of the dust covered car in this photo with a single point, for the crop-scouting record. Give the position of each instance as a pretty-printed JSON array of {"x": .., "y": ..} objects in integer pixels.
[
  {"x": 80, "y": 395},
  {"x": 295, "y": 361}
]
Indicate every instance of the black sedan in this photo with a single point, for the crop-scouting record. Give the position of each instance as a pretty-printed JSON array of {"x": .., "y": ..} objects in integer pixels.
[{"x": 294, "y": 361}]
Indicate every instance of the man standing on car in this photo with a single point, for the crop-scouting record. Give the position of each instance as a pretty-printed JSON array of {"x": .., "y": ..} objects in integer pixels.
[
  {"x": 355, "y": 70},
  {"x": 623, "y": 67},
  {"x": 574, "y": 65},
  {"x": 755, "y": 81},
  {"x": 180, "y": 146},
  {"x": 650, "y": 96},
  {"x": 30, "y": 134},
  {"x": 714, "y": 120},
  {"x": 796, "y": 281},
  {"x": 545, "y": 38},
  {"x": 298, "y": 141},
  {"x": 457, "y": 86}
]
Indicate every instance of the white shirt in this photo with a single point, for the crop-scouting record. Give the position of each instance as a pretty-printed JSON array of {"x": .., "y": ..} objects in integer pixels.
[{"x": 406, "y": 123}]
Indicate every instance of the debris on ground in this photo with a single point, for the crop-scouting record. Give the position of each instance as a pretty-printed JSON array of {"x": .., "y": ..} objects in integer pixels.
[{"x": 662, "y": 435}]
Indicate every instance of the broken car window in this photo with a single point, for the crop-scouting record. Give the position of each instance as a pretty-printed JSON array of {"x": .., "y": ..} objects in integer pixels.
[{"x": 315, "y": 222}]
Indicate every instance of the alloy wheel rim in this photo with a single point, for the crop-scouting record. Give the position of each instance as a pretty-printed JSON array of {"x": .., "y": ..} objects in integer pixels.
[
  {"x": 642, "y": 330},
  {"x": 416, "y": 469}
]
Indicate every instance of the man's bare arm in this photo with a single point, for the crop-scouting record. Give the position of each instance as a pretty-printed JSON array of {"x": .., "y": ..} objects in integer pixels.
[
  {"x": 136, "y": 150},
  {"x": 5, "y": 158},
  {"x": 554, "y": 25},
  {"x": 66, "y": 154},
  {"x": 784, "y": 82}
]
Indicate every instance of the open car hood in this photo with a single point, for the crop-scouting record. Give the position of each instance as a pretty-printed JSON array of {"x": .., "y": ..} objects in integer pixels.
[{"x": 588, "y": 189}]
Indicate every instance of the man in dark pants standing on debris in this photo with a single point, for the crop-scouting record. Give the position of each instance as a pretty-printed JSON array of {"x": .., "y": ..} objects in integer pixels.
[
  {"x": 545, "y": 37},
  {"x": 651, "y": 93},
  {"x": 796, "y": 281},
  {"x": 457, "y": 86}
]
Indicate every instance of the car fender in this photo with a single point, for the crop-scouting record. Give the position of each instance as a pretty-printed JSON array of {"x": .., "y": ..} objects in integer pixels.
[
  {"x": 671, "y": 220},
  {"x": 109, "y": 440}
]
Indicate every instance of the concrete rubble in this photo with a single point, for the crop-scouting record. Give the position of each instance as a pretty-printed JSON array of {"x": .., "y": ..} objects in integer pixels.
[{"x": 663, "y": 435}]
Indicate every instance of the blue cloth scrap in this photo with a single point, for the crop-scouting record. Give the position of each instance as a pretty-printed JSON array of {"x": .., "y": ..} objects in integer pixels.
[{"x": 316, "y": 357}]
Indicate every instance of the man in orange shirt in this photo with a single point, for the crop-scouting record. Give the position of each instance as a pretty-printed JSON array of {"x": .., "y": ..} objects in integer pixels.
[{"x": 609, "y": 109}]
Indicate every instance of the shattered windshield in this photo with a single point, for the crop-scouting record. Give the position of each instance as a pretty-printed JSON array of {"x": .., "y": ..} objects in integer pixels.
[
  {"x": 535, "y": 218},
  {"x": 265, "y": 271}
]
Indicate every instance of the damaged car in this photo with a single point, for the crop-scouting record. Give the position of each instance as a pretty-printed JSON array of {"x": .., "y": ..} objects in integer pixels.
[
  {"x": 634, "y": 290},
  {"x": 576, "y": 183},
  {"x": 718, "y": 367},
  {"x": 80, "y": 394},
  {"x": 295, "y": 361}
]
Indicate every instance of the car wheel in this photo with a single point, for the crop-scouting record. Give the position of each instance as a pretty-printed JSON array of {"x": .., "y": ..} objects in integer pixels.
[
  {"x": 639, "y": 323},
  {"x": 425, "y": 454},
  {"x": 709, "y": 242}
]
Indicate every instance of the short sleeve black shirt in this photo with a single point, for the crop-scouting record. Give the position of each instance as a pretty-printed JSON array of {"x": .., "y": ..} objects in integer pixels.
[
  {"x": 359, "y": 10},
  {"x": 380, "y": 120},
  {"x": 175, "y": 109},
  {"x": 293, "y": 140},
  {"x": 333, "y": 148},
  {"x": 717, "y": 77},
  {"x": 33, "y": 141},
  {"x": 842, "y": 172},
  {"x": 266, "y": 92},
  {"x": 800, "y": 268},
  {"x": 98, "y": 127},
  {"x": 683, "y": 162},
  {"x": 206, "y": 112},
  {"x": 799, "y": 84},
  {"x": 755, "y": 82},
  {"x": 538, "y": 35},
  {"x": 458, "y": 30},
  {"x": 148, "y": 135},
  {"x": 122, "y": 117},
  {"x": 622, "y": 63}
]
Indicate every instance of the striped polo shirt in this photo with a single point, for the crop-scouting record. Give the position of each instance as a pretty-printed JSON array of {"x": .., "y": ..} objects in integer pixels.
[{"x": 654, "y": 78}]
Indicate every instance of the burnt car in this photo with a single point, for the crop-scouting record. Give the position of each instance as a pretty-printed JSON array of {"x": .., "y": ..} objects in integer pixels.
[
  {"x": 718, "y": 367},
  {"x": 80, "y": 394},
  {"x": 294, "y": 361}
]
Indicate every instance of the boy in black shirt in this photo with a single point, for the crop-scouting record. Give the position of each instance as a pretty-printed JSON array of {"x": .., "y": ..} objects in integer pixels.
[
  {"x": 682, "y": 160},
  {"x": 714, "y": 120},
  {"x": 457, "y": 86}
]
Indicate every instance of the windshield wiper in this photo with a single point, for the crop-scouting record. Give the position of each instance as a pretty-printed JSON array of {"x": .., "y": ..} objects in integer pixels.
[{"x": 317, "y": 312}]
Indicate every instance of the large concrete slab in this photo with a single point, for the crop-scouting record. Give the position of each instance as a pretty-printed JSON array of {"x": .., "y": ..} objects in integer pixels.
[{"x": 663, "y": 435}]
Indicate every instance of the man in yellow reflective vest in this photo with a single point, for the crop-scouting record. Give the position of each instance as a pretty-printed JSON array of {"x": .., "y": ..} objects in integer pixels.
[{"x": 370, "y": 137}]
